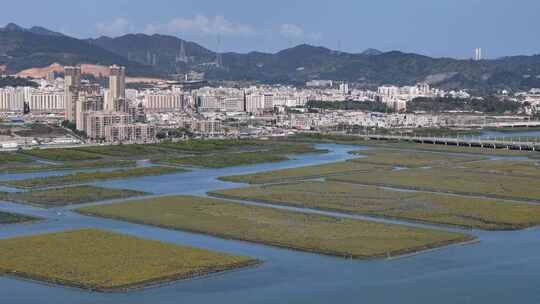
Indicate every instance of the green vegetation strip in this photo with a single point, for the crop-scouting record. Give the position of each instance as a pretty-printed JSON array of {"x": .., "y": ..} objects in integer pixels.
[
  {"x": 224, "y": 160},
  {"x": 123, "y": 150},
  {"x": 412, "y": 158},
  {"x": 270, "y": 153},
  {"x": 473, "y": 212},
  {"x": 310, "y": 172},
  {"x": 36, "y": 167},
  {"x": 506, "y": 167},
  {"x": 104, "y": 261},
  {"x": 85, "y": 177},
  {"x": 209, "y": 146},
  {"x": 67, "y": 196},
  {"x": 451, "y": 180},
  {"x": 300, "y": 231},
  {"x": 12, "y": 157},
  {"x": 11, "y": 218},
  {"x": 61, "y": 154}
]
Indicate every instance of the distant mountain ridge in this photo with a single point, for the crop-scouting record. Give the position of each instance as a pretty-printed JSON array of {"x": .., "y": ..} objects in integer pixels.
[
  {"x": 22, "y": 49},
  {"x": 162, "y": 55},
  {"x": 12, "y": 27}
]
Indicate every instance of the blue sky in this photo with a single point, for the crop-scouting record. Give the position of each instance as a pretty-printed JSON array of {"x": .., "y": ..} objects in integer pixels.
[{"x": 438, "y": 28}]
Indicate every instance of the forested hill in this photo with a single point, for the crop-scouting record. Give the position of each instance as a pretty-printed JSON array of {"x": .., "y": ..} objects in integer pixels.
[{"x": 166, "y": 55}]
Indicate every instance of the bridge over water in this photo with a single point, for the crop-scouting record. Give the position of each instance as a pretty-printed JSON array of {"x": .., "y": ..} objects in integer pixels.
[{"x": 490, "y": 143}]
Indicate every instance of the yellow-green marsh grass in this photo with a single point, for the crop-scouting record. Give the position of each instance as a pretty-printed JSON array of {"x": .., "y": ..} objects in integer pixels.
[
  {"x": 506, "y": 167},
  {"x": 300, "y": 231},
  {"x": 37, "y": 167},
  {"x": 105, "y": 261},
  {"x": 12, "y": 218},
  {"x": 451, "y": 181},
  {"x": 224, "y": 160},
  {"x": 412, "y": 158},
  {"x": 67, "y": 196},
  {"x": 473, "y": 212},
  {"x": 62, "y": 154},
  {"x": 309, "y": 172},
  {"x": 85, "y": 177}
]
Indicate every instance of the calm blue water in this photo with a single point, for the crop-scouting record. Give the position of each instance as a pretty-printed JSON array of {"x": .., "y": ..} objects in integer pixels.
[{"x": 503, "y": 268}]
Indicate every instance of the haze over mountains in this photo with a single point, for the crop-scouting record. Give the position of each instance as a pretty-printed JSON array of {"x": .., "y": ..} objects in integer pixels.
[{"x": 162, "y": 56}]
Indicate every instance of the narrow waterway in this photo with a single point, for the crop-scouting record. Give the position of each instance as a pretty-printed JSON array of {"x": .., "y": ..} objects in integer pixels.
[{"x": 503, "y": 268}]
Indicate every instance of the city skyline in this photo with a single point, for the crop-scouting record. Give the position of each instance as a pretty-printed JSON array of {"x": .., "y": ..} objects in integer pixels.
[{"x": 442, "y": 29}]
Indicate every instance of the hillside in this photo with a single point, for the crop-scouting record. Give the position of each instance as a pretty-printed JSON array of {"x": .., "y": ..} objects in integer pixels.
[
  {"x": 305, "y": 62},
  {"x": 22, "y": 49},
  {"x": 161, "y": 55}
]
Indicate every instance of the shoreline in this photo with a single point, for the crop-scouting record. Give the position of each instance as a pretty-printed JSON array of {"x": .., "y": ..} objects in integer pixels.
[
  {"x": 332, "y": 253},
  {"x": 420, "y": 189},
  {"x": 440, "y": 225},
  {"x": 147, "y": 284},
  {"x": 15, "y": 185}
]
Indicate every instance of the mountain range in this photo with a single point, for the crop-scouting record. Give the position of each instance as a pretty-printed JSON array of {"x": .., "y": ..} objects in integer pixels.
[{"x": 163, "y": 56}]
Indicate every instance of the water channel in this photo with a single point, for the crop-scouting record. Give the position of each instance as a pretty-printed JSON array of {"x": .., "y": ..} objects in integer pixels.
[{"x": 503, "y": 268}]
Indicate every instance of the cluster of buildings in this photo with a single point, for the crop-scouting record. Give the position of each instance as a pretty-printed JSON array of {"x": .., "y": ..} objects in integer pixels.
[
  {"x": 120, "y": 114},
  {"x": 531, "y": 98},
  {"x": 104, "y": 115},
  {"x": 254, "y": 99},
  {"x": 43, "y": 100},
  {"x": 344, "y": 119}
]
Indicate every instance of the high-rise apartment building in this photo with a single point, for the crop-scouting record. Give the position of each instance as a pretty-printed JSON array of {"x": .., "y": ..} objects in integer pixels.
[
  {"x": 478, "y": 54},
  {"x": 117, "y": 88},
  {"x": 12, "y": 99},
  {"x": 72, "y": 83}
]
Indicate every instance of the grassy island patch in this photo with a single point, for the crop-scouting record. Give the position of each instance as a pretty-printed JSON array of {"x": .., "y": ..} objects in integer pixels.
[
  {"x": 13, "y": 157},
  {"x": 473, "y": 212},
  {"x": 123, "y": 150},
  {"x": 300, "y": 231},
  {"x": 12, "y": 218},
  {"x": 412, "y": 158},
  {"x": 85, "y": 177},
  {"x": 36, "y": 167},
  {"x": 67, "y": 196},
  {"x": 451, "y": 180},
  {"x": 310, "y": 172},
  {"x": 506, "y": 167},
  {"x": 225, "y": 159},
  {"x": 212, "y": 145},
  {"x": 104, "y": 261},
  {"x": 269, "y": 153},
  {"x": 63, "y": 154}
]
